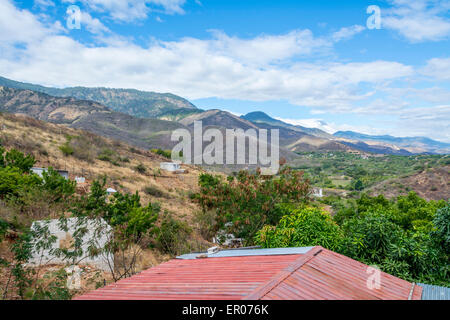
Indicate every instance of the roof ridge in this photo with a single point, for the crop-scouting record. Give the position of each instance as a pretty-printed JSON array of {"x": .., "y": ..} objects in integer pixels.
[{"x": 267, "y": 287}]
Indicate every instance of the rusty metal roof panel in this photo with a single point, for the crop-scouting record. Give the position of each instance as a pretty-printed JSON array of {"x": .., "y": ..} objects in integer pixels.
[
  {"x": 326, "y": 275},
  {"x": 200, "y": 279},
  {"x": 316, "y": 274}
]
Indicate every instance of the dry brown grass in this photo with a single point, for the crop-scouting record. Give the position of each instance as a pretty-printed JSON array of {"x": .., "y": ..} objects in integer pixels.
[
  {"x": 44, "y": 139},
  {"x": 431, "y": 184}
]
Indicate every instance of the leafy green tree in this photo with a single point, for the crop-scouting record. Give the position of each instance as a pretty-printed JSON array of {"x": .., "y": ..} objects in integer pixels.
[
  {"x": 358, "y": 186},
  {"x": 16, "y": 159},
  {"x": 57, "y": 185},
  {"x": 368, "y": 236},
  {"x": 12, "y": 180},
  {"x": 247, "y": 202},
  {"x": 302, "y": 227},
  {"x": 441, "y": 234}
]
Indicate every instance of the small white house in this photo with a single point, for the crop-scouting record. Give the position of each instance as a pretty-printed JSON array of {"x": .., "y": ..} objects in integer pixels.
[
  {"x": 170, "y": 166},
  {"x": 80, "y": 180},
  {"x": 318, "y": 193},
  {"x": 39, "y": 172},
  {"x": 110, "y": 191}
]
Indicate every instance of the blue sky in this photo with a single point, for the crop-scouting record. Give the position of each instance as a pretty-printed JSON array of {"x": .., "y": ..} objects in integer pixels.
[{"x": 306, "y": 62}]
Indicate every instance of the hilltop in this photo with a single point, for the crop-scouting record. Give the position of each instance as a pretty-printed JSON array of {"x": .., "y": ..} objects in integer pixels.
[
  {"x": 137, "y": 103},
  {"x": 90, "y": 116}
]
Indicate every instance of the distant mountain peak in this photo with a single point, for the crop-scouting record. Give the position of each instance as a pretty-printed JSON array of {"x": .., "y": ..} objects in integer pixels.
[{"x": 415, "y": 144}]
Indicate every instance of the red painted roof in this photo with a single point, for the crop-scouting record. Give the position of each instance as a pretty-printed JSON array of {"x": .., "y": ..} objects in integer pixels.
[{"x": 318, "y": 274}]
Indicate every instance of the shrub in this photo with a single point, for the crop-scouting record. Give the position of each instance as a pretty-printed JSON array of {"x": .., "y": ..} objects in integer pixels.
[
  {"x": 302, "y": 227},
  {"x": 3, "y": 227},
  {"x": 57, "y": 185},
  {"x": 172, "y": 236},
  {"x": 140, "y": 168},
  {"x": 12, "y": 180},
  {"x": 206, "y": 221},
  {"x": 154, "y": 191},
  {"x": 66, "y": 149},
  {"x": 16, "y": 159},
  {"x": 368, "y": 237},
  {"x": 165, "y": 153},
  {"x": 441, "y": 222}
]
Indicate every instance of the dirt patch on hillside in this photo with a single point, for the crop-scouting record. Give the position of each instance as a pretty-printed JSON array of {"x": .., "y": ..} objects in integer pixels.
[{"x": 431, "y": 184}]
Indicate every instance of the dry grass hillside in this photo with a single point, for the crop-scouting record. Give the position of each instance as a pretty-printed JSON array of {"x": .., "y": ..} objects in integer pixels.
[
  {"x": 44, "y": 140},
  {"x": 431, "y": 184}
]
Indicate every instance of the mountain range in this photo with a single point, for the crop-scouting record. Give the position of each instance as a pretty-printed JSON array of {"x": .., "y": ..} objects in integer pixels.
[
  {"x": 146, "y": 119},
  {"x": 142, "y": 104}
]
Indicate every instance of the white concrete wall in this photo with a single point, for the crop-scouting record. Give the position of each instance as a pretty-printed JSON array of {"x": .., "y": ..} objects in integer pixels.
[{"x": 99, "y": 233}]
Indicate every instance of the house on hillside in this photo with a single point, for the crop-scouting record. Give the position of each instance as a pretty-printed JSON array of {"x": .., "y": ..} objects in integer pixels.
[
  {"x": 111, "y": 191},
  {"x": 317, "y": 192},
  {"x": 307, "y": 273},
  {"x": 170, "y": 166},
  {"x": 39, "y": 172}
]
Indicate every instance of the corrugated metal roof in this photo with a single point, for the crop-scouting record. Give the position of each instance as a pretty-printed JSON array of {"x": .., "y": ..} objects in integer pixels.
[
  {"x": 248, "y": 252},
  {"x": 434, "y": 292},
  {"x": 325, "y": 275},
  {"x": 229, "y": 278},
  {"x": 316, "y": 273}
]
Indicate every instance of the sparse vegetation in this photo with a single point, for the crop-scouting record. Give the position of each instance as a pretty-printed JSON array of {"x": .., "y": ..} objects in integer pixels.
[
  {"x": 140, "y": 168},
  {"x": 155, "y": 192}
]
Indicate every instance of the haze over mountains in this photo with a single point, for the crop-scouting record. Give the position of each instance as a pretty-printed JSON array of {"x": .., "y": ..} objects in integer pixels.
[{"x": 146, "y": 119}]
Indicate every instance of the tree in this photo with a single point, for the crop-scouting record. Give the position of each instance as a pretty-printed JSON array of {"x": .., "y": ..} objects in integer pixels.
[
  {"x": 441, "y": 234},
  {"x": 302, "y": 227},
  {"x": 16, "y": 159},
  {"x": 358, "y": 186},
  {"x": 245, "y": 203}
]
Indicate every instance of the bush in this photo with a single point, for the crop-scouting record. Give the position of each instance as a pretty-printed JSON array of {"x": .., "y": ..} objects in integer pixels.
[
  {"x": 3, "y": 227},
  {"x": 165, "y": 153},
  {"x": 154, "y": 191},
  {"x": 302, "y": 227},
  {"x": 16, "y": 159},
  {"x": 369, "y": 236},
  {"x": 441, "y": 222},
  {"x": 12, "y": 180},
  {"x": 140, "y": 168},
  {"x": 66, "y": 149},
  {"x": 172, "y": 236},
  {"x": 206, "y": 221},
  {"x": 58, "y": 186}
]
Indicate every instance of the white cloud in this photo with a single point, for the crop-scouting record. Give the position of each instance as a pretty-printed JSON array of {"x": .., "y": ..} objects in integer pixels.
[
  {"x": 347, "y": 32},
  {"x": 17, "y": 26},
  {"x": 310, "y": 123},
  {"x": 44, "y": 3},
  {"x": 418, "y": 20},
  {"x": 129, "y": 10},
  {"x": 437, "y": 68},
  {"x": 93, "y": 25}
]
